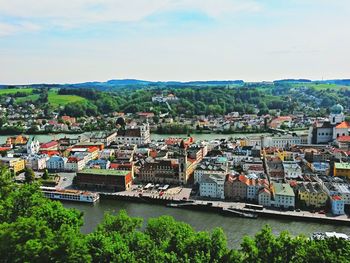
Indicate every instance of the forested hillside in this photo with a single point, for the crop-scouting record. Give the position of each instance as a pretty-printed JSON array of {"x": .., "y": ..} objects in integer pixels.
[{"x": 201, "y": 99}]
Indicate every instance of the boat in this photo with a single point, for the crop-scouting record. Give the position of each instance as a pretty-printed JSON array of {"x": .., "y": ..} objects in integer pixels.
[
  {"x": 325, "y": 235},
  {"x": 69, "y": 195},
  {"x": 235, "y": 212}
]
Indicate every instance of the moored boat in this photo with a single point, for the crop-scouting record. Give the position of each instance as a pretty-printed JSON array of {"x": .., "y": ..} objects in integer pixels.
[{"x": 70, "y": 195}]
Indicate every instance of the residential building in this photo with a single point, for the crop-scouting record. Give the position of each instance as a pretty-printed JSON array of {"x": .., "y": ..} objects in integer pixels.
[
  {"x": 338, "y": 205},
  {"x": 284, "y": 196},
  {"x": 292, "y": 170},
  {"x": 98, "y": 164},
  {"x": 212, "y": 185},
  {"x": 312, "y": 194},
  {"x": 74, "y": 164},
  {"x": 236, "y": 187},
  {"x": 36, "y": 162},
  {"x": 264, "y": 197},
  {"x": 14, "y": 164},
  {"x": 56, "y": 163},
  {"x": 211, "y": 166},
  {"x": 341, "y": 169}
]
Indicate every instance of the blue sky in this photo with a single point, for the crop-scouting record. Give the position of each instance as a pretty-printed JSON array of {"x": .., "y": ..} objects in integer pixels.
[{"x": 55, "y": 41}]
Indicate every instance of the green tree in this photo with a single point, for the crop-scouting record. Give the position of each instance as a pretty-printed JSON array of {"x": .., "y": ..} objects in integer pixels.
[{"x": 29, "y": 175}]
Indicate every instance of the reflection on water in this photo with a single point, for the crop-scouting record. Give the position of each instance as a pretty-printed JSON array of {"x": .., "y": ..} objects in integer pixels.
[{"x": 235, "y": 228}]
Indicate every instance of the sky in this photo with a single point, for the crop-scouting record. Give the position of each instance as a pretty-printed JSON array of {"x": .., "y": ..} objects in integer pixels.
[{"x": 56, "y": 41}]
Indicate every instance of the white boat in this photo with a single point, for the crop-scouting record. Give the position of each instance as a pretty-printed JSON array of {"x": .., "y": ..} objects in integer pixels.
[
  {"x": 70, "y": 195},
  {"x": 325, "y": 235}
]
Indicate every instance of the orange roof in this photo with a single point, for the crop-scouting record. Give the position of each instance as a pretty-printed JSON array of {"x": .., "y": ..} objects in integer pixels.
[
  {"x": 92, "y": 149},
  {"x": 50, "y": 153},
  {"x": 343, "y": 125}
]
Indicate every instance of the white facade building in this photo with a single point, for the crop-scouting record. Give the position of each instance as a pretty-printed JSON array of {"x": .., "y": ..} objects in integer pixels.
[{"x": 212, "y": 186}]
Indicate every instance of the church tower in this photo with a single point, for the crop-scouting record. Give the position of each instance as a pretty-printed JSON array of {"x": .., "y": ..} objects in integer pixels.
[{"x": 336, "y": 116}]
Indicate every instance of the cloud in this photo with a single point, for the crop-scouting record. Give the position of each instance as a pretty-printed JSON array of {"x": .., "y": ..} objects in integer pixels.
[
  {"x": 79, "y": 13},
  {"x": 7, "y": 29}
]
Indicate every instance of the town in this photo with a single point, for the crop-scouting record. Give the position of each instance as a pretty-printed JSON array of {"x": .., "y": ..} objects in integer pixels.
[{"x": 305, "y": 172}]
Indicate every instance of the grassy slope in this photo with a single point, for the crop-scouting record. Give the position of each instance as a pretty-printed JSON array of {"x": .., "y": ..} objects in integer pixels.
[
  {"x": 322, "y": 86},
  {"x": 11, "y": 91},
  {"x": 60, "y": 100}
]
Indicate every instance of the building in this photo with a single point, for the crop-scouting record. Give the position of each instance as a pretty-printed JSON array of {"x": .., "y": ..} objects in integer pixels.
[
  {"x": 274, "y": 168},
  {"x": 343, "y": 142},
  {"x": 337, "y": 205},
  {"x": 264, "y": 197},
  {"x": 104, "y": 137},
  {"x": 17, "y": 140},
  {"x": 162, "y": 171},
  {"x": 236, "y": 187},
  {"x": 33, "y": 146},
  {"x": 74, "y": 164},
  {"x": 98, "y": 164},
  {"x": 341, "y": 169},
  {"x": 341, "y": 129},
  {"x": 101, "y": 179},
  {"x": 14, "y": 164},
  {"x": 211, "y": 166},
  {"x": 292, "y": 170},
  {"x": 312, "y": 195},
  {"x": 327, "y": 131},
  {"x": 212, "y": 185},
  {"x": 56, "y": 163},
  {"x": 320, "y": 168},
  {"x": 36, "y": 162},
  {"x": 49, "y": 146},
  {"x": 139, "y": 135},
  {"x": 106, "y": 154},
  {"x": 284, "y": 196}
]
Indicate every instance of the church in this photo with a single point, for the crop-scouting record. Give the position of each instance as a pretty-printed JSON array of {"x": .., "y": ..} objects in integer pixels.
[{"x": 328, "y": 131}]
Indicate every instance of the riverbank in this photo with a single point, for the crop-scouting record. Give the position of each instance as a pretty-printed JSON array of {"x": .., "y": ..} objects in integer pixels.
[{"x": 222, "y": 207}]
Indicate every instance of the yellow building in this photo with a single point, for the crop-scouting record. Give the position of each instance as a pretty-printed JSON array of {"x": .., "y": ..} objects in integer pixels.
[
  {"x": 312, "y": 194},
  {"x": 341, "y": 169},
  {"x": 15, "y": 164}
]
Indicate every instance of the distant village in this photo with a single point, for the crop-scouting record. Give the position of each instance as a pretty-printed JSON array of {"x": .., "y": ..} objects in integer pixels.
[{"x": 281, "y": 170}]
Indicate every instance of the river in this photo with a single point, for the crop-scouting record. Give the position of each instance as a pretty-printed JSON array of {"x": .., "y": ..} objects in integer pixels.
[
  {"x": 48, "y": 137},
  {"x": 235, "y": 228}
]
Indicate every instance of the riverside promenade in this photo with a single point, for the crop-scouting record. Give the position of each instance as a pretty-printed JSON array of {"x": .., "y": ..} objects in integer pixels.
[{"x": 181, "y": 198}]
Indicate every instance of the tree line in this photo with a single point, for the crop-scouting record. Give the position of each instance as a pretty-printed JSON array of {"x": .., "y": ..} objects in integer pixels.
[{"x": 34, "y": 229}]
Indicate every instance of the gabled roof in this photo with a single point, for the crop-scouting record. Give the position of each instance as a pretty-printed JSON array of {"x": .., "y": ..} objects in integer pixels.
[{"x": 343, "y": 125}]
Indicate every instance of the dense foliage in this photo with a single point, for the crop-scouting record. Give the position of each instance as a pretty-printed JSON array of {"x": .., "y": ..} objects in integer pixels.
[
  {"x": 311, "y": 98},
  {"x": 34, "y": 229}
]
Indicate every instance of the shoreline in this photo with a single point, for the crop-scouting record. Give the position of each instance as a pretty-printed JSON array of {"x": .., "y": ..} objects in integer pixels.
[{"x": 220, "y": 207}]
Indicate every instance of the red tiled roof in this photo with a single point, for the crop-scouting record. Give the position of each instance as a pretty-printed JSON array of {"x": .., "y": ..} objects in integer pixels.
[
  {"x": 49, "y": 144},
  {"x": 343, "y": 125},
  {"x": 343, "y": 138},
  {"x": 336, "y": 197}
]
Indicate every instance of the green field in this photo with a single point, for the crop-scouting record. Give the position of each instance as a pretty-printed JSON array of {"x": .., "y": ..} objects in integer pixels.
[
  {"x": 61, "y": 100},
  {"x": 31, "y": 97},
  {"x": 322, "y": 86},
  {"x": 12, "y": 91}
]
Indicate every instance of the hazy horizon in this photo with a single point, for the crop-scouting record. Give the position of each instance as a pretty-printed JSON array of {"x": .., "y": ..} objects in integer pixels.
[{"x": 183, "y": 40}]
